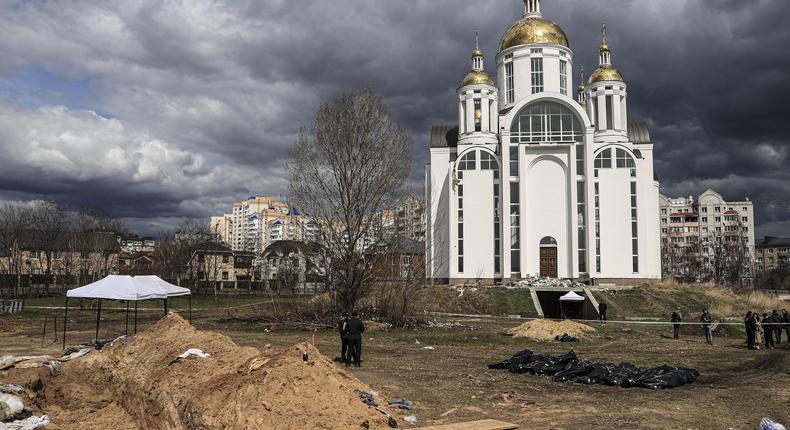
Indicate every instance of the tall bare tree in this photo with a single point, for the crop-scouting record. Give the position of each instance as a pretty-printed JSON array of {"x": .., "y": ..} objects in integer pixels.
[{"x": 346, "y": 170}]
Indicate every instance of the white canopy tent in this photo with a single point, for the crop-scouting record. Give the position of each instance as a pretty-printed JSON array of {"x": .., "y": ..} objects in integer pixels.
[
  {"x": 572, "y": 297},
  {"x": 129, "y": 289}
]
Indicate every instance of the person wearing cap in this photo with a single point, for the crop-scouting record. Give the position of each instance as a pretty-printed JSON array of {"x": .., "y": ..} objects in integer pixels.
[
  {"x": 677, "y": 318},
  {"x": 341, "y": 326}
]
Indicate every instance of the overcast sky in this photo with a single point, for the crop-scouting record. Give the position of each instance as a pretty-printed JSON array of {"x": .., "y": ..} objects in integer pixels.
[{"x": 157, "y": 111}]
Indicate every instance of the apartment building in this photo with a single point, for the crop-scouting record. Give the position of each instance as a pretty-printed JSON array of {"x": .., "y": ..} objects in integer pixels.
[
  {"x": 704, "y": 228},
  {"x": 772, "y": 253}
]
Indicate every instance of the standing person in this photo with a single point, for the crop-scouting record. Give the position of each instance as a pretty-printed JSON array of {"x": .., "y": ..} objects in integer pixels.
[
  {"x": 786, "y": 323},
  {"x": 758, "y": 334},
  {"x": 777, "y": 320},
  {"x": 768, "y": 331},
  {"x": 707, "y": 320},
  {"x": 677, "y": 318},
  {"x": 602, "y": 312},
  {"x": 354, "y": 330},
  {"x": 341, "y": 326},
  {"x": 751, "y": 327}
]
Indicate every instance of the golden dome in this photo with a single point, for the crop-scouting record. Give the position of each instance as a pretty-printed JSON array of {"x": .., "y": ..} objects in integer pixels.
[
  {"x": 533, "y": 30},
  {"x": 605, "y": 73},
  {"x": 604, "y": 48},
  {"x": 477, "y": 77}
]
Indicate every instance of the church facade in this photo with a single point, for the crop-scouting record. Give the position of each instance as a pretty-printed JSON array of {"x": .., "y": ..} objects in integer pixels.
[{"x": 533, "y": 181}]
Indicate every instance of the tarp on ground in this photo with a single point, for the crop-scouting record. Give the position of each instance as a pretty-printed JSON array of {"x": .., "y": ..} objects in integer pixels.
[
  {"x": 118, "y": 287},
  {"x": 170, "y": 289},
  {"x": 572, "y": 297}
]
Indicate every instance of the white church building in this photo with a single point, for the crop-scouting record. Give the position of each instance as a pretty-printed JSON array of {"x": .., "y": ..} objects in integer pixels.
[{"x": 532, "y": 182}]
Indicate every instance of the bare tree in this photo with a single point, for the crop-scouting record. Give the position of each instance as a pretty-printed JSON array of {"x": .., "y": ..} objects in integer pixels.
[
  {"x": 12, "y": 229},
  {"x": 346, "y": 169}
]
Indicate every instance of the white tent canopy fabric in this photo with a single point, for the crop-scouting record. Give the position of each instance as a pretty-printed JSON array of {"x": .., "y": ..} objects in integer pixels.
[
  {"x": 157, "y": 282},
  {"x": 134, "y": 288},
  {"x": 118, "y": 287},
  {"x": 572, "y": 297}
]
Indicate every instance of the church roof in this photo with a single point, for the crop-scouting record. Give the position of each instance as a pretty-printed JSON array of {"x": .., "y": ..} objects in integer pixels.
[
  {"x": 638, "y": 132},
  {"x": 444, "y": 136},
  {"x": 532, "y": 31}
]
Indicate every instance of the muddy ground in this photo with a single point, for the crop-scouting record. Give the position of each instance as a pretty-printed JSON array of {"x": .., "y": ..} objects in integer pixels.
[{"x": 451, "y": 383}]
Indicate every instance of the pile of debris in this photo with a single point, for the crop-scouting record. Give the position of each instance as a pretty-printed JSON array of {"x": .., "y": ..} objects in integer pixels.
[
  {"x": 569, "y": 368},
  {"x": 548, "y": 330},
  {"x": 537, "y": 281},
  {"x": 150, "y": 382}
]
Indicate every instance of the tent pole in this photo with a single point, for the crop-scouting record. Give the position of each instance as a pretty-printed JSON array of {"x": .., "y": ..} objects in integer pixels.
[
  {"x": 98, "y": 318},
  {"x": 165, "y": 306},
  {"x": 65, "y": 319},
  {"x": 190, "y": 308},
  {"x": 127, "y": 317},
  {"x": 135, "y": 317}
]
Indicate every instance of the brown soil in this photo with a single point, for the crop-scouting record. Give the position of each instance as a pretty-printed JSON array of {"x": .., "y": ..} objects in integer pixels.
[
  {"x": 8, "y": 326},
  {"x": 236, "y": 387},
  {"x": 546, "y": 330}
]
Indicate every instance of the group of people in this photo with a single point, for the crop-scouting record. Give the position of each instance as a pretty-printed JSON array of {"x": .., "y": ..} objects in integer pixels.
[
  {"x": 769, "y": 328},
  {"x": 351, "y": 329}
]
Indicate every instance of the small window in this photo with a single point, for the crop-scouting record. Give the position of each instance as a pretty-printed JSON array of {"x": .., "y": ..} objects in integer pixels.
[
  {"x": 225, "y": 259},
  {"x": 224, "y": 276}
]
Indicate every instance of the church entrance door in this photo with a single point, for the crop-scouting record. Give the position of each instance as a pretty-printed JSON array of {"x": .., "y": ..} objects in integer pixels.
[{"x": 548, "y": 262}]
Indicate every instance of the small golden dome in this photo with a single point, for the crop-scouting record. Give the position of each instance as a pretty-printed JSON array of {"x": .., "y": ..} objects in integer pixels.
[
  {"x": 477, "y": 77},
  {"x": 604, "y": 48},
  {"x": 605, "y": 73},
  {"x": 477, "y": 53},
  {"x": 533, "y": 30}
]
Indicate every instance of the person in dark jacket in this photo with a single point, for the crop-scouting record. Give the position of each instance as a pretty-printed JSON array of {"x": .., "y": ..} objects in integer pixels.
[
  {"x": 707, "y": 325},
  {"x": 602, "y": 312},
  {"x": 341, "y": 326},
  {"x": 677, "y": 318},
  {"x": 354, "y": 330},
  {"x": 751, "y": 329},
  {"x": 777, "y": 319},
  {"x": 768, "y": 329}
]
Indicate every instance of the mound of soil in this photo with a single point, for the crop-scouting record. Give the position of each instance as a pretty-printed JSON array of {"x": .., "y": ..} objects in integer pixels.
[
  {"x": 140, "y": 385},
  {"x": 547, "y": 330}
]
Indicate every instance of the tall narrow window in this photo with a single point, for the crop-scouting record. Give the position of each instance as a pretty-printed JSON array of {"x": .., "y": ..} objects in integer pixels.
[
  {"x": 634, "y": 229},
  {"x": 478, "y": 116},
  {"x": 597, "y": 228},
  {"x": 563, "y": 77},
  {"x": 497, "y": 231},
  {"x": 460, "y": 228},
  {"x": 582, "y": 226},
  {"x": 537, "y": 75},
  {"x": 609, "y": 114},
  {"x": 515, "y": 230},
  {"x": 509, "y": 81},
  {"x": 514, "y": 160}
]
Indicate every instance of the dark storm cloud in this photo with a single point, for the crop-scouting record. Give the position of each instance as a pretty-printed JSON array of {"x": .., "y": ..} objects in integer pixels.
[{"x": 205, "y": 98}]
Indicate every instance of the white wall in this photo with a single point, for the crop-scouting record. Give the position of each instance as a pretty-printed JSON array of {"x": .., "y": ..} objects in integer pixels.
[
  {"x": 615, "y": 203},
  {"x": 545, "y": 211},
  {"x": 438, "y": 194},
  {"x": 478, "y": 224}
]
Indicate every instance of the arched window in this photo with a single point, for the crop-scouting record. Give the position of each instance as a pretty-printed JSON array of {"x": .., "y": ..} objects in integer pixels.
[
  {"x": 618, "y": 159},
  {"x": 548, "y": 240},
  {"x": 488, "y": 161},
  {"x": 468, "y": 161},
  {"x": 546, "y": 122}
]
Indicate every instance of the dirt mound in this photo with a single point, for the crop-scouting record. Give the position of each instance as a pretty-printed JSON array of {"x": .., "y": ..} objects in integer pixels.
[
  {"x": 234, "y": 387},
  {"x": 545, "y": 330}
]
